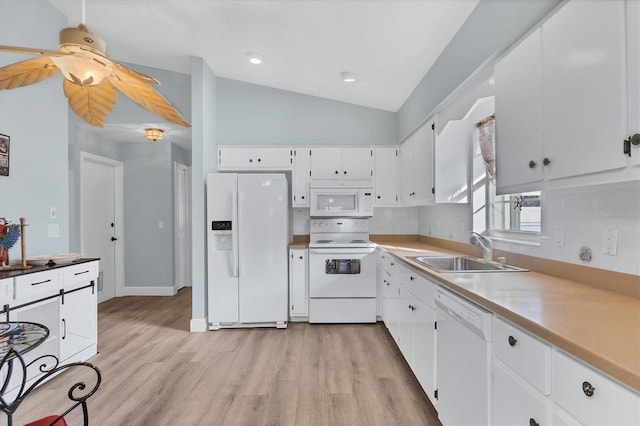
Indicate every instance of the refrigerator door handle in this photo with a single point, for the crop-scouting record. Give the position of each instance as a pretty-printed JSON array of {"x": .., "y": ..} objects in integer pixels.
[{"x": 234, "y": 233}]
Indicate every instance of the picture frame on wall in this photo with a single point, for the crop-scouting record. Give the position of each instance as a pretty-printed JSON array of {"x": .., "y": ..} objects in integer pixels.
[{"x": 4, "y": 155}]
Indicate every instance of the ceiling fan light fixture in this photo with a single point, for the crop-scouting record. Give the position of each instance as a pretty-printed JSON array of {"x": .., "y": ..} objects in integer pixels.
[
  {"x": 254, "y": 58},
  {"x": 348, "y": 77},
  {"x": 154, "y": 134}
]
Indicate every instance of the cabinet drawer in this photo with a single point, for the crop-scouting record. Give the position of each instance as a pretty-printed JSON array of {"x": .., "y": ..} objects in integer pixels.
[
  {"x": 527, "y": 356},
  {"x": 34, "y": 286},
  {"x": 514, "y": 402},
  {"x": 387, "y": 261},
  {"x": 78, "y": 275},
  {"x": 609, "y": 403},
  {"x": 422, "y": 289}
]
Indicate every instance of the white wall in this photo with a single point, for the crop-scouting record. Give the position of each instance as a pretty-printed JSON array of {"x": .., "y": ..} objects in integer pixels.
[{"x": 36, "y": 119}]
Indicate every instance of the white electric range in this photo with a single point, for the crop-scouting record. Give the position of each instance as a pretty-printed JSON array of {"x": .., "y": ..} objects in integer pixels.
[{"x": 342, "y": 271}]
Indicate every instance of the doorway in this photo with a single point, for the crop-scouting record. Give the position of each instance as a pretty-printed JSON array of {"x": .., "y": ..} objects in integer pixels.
[{"x": 101, "y": 220}]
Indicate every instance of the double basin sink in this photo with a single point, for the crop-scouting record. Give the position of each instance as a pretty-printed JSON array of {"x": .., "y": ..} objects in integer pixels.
[{"x": 463, "y": 264}]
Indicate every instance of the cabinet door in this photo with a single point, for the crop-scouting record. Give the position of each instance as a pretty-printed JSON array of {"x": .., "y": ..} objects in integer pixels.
[
  {"x": 583, "y": 69},
  {"x": 326, "y": 163},
  {"x": 405, "y": 161},
  {"x": 298, "y": 283},
  {"x": 78, "y": 321},
  {"x": 386, "y": 176},
  {"x": 424, "y": 347},
  {"x": 390, "y": 305},
  {"x": 273, "y": 158},
  {"x": 423, "y": 166},
  {"x": 405, "y": 324},
  {"x": 357, "y": 162},
  {"x": 300, "y": 177},
  {"x": 633, "y": 74},
  {"x": 515, "y": 403},
  {"x": 519, "y": 119},
  {"x": 235, "y": 158}
]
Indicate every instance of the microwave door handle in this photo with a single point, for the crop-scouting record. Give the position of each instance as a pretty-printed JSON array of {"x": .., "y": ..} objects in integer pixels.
[{"x": 234, "y": 234}]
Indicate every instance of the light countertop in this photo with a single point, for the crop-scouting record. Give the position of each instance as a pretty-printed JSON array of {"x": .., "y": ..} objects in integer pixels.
[{"x": 596, "y": 324}]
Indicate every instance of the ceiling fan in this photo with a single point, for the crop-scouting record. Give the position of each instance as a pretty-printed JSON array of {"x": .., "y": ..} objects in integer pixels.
[{"x": 90, "y": 77}]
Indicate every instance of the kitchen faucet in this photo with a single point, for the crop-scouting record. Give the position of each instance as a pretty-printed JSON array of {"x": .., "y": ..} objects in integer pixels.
[{"x": 485, "y": 243}]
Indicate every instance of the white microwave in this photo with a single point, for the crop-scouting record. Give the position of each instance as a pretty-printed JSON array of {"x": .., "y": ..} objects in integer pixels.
[{"x": 341, "y": 198}]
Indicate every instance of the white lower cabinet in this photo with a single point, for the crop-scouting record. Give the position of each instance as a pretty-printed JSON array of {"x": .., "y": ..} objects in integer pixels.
[
  {"x": 424, "y": 343},
  {"x": 298, "y": 283},
  {"x": 390, "y": 304},
  {"x": 515, "y": 402},
  {"x": 64, "y": 299},
  {"x": 591, "y": 397}
]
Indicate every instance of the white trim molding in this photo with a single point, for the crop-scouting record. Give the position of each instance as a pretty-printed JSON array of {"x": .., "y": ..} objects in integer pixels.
[
  {"x": 198, "y": 325},
  {"x": 149, "y": 291}
]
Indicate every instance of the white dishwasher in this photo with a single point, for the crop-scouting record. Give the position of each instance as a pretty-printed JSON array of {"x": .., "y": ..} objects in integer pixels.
[{"x": 463, "y": 356}]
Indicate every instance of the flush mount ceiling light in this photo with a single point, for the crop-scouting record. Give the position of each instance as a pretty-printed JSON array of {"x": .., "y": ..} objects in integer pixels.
[
  {"x": 154, "y": 134},
  {"x": 90, "y": 78},
  {"x": 254, "y": 58},
  {"x": 348, "y": 77}
]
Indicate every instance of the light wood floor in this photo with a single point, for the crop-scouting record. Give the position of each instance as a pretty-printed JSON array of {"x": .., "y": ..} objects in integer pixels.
[{"x": 155, "y": 372}]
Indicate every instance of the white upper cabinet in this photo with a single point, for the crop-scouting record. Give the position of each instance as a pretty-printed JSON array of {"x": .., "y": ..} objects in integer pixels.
[
  {"x": 247, "y": 157},
  {"x": 300, "y": 177},
  {"x": 567, "y": 98},
  {"x": 416, "y": 167},
  {"x": 518, "y": 103},
  {"x": 386, "y": 176},
  {"x": 452, "y": 151},
  {"x": 583, "y": 88},
  {"x": 334, "y": 162}
]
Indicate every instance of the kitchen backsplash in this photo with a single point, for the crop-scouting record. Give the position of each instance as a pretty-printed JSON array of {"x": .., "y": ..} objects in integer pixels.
[{"x": 582, "y": 215}]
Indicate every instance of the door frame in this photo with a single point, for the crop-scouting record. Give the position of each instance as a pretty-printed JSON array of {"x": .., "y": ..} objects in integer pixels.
[
  {"x": 187, "y": 191},
  {"x": 118, "y": 166}
]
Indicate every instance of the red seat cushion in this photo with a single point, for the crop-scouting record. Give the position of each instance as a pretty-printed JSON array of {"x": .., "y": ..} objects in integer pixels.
[{"x": 46, "y": 421}]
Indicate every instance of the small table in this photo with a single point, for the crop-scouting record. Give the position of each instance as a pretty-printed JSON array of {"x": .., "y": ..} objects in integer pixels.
[{"x": 16, "y": 339}]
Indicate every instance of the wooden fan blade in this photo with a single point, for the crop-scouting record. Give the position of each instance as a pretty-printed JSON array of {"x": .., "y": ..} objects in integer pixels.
[
  {"x": 29, "y": 50},
  {"x": 139, "y": 90},
  {"x": 26, "y": 72},
  {"x": 92, "y": 103}
]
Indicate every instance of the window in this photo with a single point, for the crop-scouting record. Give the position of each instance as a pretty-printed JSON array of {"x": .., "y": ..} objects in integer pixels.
[{"x": 514, "y": 216}]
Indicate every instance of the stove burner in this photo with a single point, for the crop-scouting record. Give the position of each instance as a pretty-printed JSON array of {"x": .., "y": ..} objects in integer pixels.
[
  {"x": 324, "y": 241},
  {"x": 358, "y": 241}
]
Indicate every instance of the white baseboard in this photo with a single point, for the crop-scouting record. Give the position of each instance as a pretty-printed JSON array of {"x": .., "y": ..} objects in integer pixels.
[
  {"x": 198, "y": 325},
  {"x": 149, "y": 291}
]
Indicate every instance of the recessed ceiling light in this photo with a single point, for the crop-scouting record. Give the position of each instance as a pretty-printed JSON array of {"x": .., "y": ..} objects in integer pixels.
[
  {"x": 348, "y": 77},
  {"x": 254, "y": 58}
]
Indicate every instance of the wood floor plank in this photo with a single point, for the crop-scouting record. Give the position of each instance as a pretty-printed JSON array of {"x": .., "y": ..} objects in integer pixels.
[{"x": 155, "y": 372}]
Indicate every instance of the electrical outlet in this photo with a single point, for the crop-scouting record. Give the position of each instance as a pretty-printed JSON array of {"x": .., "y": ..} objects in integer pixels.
[
  {"x": 53, "y": 230},
  {"x": 610, "y": 241}
]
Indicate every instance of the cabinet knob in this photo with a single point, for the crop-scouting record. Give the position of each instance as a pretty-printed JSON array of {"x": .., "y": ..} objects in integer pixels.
[
  {"x": 302, "y": 197},
  {"x": 588, "y": 389},
  {"x": 532, "y": 164},
  {"x": 300, "y": 257},
  {"x": 259, "y": 160},
  {"x": 512, "y": 341},
  {"x": 412, "y": 278},
  {"x": 378, "y": 197},
  {"x": 345, "y": 172},
  {"x": 388, "y": 283},
  {"x": 532, "y": 422},
  {"x": 114, "y": 239},
  {"x": 391, "y": 263},
  {"x": 546, "y": 161},
  {"x": 336, "y": 172},
  {"x": 251, "y": 160}
]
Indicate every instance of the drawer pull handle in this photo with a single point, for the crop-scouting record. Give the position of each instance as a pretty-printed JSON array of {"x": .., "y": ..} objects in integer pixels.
[
  {"x": 532, "y": 422},
  {"x": 412, "y": 278},
  {"x": 512, "y": 341},
  {"x": 80, "y": 273},
  {"x": 588, "y": 389},
  {"x": 41, "y": 282}
]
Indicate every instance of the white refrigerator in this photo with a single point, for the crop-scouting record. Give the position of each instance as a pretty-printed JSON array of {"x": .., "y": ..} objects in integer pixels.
[{"x": 248, "y": 236}]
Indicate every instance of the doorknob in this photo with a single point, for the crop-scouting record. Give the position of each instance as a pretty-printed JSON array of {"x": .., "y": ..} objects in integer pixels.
[{"x": 114, "y": 239}]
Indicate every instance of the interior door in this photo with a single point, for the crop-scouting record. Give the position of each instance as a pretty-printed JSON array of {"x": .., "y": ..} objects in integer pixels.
[{"x": 100, "y": 227}]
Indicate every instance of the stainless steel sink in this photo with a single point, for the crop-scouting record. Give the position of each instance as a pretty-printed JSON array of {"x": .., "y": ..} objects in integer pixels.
[{"x": 463, "y": 264}]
